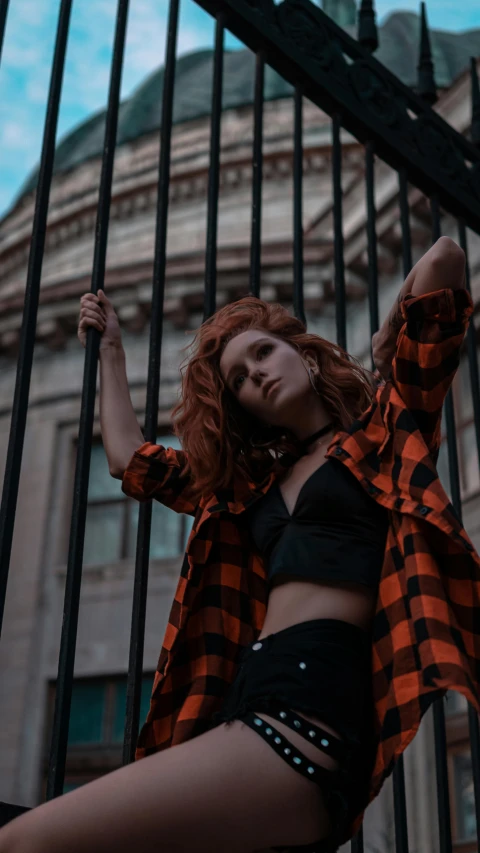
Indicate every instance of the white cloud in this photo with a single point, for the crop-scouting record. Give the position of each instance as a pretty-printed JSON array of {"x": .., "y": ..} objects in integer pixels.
[
  {"x": 13, "y": 136},
  {"x": 26, "y": 68},
  {"x": 28, "y": 50}
]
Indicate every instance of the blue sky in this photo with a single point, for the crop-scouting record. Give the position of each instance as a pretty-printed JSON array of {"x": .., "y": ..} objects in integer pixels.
[{"x": 27, "y": 55}]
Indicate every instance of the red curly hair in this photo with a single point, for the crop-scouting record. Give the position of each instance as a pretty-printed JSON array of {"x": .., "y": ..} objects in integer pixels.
[{"x": 214, "y": 429}]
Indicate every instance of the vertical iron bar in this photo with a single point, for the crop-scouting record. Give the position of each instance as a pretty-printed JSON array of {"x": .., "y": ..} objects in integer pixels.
[
  {"x": 139, "y": 607},
  {"x": 443, "y": 805},
  {"x": 256, "y": 235},
  {"x": 405, "y": 223},
  {"x": 29, "y": 321},
  {"x": 298, "y": 306},
  {"x": 3, "y": 21},
  {"x": 440, "y": 735},
  {"x": 449, "y": 410},
  {"x": 214, "y": 172},
  {"x": 473, "y": 722},
  {"x": 474, "y": 732},
  {"x": 340, "y": 297},
  {"x": 472, "y": 347},
  {"x": 63, "y": 697},
  {"x": 399, "y": 793},
  {"x": 372, "y": 239}
]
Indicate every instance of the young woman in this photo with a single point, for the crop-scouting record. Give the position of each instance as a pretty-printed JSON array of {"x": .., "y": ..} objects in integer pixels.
[{"x": 327, "y": 593}]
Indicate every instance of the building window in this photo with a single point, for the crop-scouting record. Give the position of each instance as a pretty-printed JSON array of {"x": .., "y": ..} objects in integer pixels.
[
  {"x": 96, "y": 729},
  {"x": 87, "y": 713},
  {"x": 468, "y": 467},
  {"x": 455, "y": 703},
  {"x": 466, "y": 824},
  {"x": 112, "y": 517},
  {"x": 467, "y": 445}
]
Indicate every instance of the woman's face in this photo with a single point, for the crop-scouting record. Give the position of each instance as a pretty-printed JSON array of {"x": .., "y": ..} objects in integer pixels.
[{"x": 267, "y": 376}]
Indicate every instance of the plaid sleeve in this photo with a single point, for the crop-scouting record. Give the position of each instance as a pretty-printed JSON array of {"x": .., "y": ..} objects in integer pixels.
[
  {"x": 428, "y": 354},
  {"x": 158, "y": 472}
]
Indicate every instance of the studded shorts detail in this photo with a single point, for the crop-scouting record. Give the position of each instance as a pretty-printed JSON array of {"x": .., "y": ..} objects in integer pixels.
[{"x": 320, "y": 667}]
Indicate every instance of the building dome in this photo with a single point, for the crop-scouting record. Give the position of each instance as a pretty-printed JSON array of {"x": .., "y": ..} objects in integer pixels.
[
  {"x": 399, "y": 47},
  {"x": 140, "y": 114}
]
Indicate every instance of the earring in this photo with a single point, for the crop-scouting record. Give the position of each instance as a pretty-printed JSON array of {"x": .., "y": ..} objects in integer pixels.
[
  {"x": 312, "y": 380},
  {"x": 311, "y": 376}
]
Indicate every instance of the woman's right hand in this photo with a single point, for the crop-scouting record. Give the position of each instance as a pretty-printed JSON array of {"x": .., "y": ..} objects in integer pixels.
[{"x": 98, "y": 311}]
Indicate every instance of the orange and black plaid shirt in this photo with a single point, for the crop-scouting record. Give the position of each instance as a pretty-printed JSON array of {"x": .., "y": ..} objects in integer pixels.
[{"x": 426, "y": 630}]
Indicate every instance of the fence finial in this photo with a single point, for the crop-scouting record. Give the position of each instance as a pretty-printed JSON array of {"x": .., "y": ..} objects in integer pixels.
[
  {"x": 475, "y": 126},
  {"x": 426, "y": 87},
  {"x": 367, "y": 27}
]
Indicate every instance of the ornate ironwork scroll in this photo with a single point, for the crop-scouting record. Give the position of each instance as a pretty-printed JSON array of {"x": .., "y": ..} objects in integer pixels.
[{"x": 307, "y": 47}]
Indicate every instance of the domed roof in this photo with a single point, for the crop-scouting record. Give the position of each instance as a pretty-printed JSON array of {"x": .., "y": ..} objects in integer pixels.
[
  {"x": 141, "y": 112},
  {"x": 398, "y": 49}
]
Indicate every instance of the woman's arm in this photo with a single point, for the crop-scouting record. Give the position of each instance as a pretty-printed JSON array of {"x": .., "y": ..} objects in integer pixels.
[
  {"x": 146, "y": 470},
  {"x": 121, "y": 433},
  {"x": 159, "y": 472},
  {"x": 443, "y": 266},
  {"x": 426, "y": 352}
]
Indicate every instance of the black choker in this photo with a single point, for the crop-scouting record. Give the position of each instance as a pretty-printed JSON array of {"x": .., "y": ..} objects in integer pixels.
[{"x": 306, "y": 442}]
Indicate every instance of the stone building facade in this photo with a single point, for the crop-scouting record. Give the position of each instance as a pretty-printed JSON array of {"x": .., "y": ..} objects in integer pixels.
[{"x": 31, "y": 634}]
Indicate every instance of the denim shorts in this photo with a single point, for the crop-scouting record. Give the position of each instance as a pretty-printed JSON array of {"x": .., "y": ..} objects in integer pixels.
[{"x": 323, "y": 668}]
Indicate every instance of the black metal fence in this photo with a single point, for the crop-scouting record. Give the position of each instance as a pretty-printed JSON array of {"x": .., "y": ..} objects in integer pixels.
[{"x": 341, "y": 76}]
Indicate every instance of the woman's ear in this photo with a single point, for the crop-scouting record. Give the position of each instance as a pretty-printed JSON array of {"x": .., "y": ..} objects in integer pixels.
[{"x": 309, "y": 355}]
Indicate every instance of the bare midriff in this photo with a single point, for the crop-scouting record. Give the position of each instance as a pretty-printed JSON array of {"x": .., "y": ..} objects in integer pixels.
[{"x": 292, "y": 601}]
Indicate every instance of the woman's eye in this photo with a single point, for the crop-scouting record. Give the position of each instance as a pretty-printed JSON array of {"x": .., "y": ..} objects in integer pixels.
[
  {"x": 266, "y": 347},
  {"x": 261, "y": 350},
  {"x": 237, "y": 380}
]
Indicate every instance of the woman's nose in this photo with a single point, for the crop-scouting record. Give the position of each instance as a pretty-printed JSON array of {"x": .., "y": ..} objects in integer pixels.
[{"x": 258, "y": 375}]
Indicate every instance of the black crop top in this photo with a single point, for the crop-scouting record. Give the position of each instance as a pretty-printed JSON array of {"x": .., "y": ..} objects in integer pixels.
[{"x": 336, "y": 530}]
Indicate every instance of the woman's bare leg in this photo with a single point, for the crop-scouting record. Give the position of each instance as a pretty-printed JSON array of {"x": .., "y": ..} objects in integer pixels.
[{"x": 225, "y": 790}]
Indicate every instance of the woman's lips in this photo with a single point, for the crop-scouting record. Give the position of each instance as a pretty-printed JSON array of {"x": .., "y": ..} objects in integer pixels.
[{"x": 273, "y": 387}]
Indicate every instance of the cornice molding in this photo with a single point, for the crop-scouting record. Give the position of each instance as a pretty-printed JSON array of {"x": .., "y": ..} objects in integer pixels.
[
  {"x": 130, "y": 288},
  {"x": 187, "y": 187}
]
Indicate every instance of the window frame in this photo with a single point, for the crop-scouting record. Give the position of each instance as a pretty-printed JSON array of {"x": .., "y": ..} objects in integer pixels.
[
  {"x": 466, "y": 845},
  {"x": 88, "y": 761},
  {"x": 462, "y": 423},
  {"x": 458, "y": 742},
  {"x": 164, "y": 431}
]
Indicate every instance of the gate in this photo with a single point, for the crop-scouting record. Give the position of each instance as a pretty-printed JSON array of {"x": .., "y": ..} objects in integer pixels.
[{"x": 341, "y": 76}]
